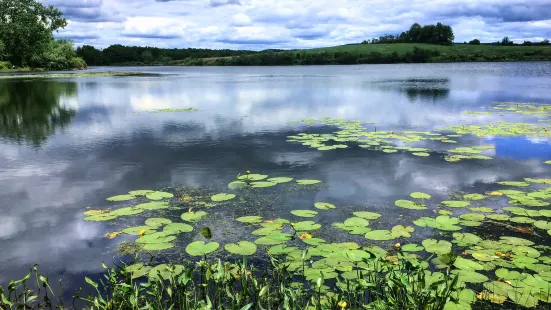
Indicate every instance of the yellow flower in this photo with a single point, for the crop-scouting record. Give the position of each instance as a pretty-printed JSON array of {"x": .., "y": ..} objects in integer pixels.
[
  {"x": 342, "y": 304},
  {"x": 305, "y": 236},
  {"x": 142, "y": 232},
  {"x": 397, "y": 245},
  {"x": 496, "y": 194}
]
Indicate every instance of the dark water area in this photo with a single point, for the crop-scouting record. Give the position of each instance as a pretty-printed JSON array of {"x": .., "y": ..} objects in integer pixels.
[{"x": 68, "y": 144}]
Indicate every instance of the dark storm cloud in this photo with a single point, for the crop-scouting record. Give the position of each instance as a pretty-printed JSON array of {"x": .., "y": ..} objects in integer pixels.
[
  {"x": 84, "y": 10},
  {"x": 530, "y": 11}
]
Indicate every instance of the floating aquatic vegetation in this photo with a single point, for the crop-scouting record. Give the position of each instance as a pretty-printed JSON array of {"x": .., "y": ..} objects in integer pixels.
[
  {"x": 324, "y": 205},
  {"x": 379, "y": 235},
  {"x": 153, "y": 205},
  {"x": 511, "y": 183},
  {"x": 280, "y": 180},
  {"x": 262, "y": 184},
  {"x": 244, "y": 248},
  {"x": 473, "y": 197},
  {"x": 237, "y": 185},
  {"x": 306, "y": 226},
  {"x": 401, "y": 231},
  {"x": 113, "y": 235},
  {"x": 157, "y": 222},
  {"x": 439, "y": 247},
  {"x": 304, "y": 213},
  {"x": 407, "y": 204},
  {"x": 442, "y": 222},
  {"x": 193, "y": 216},
  {"x": 200, "y": 248},
  {"x": 367, "y": 215},
  {"x": 159, "y": 195},
  {"x": 222, "y": 197},
  {"x": 421, "y": 154},
  {"x": 252, "y": 177},
  {"x": 249, "y": 219},
  {"x": 308, "y": 182},
  {"x": 121, "y": 197},
  {"x": 176, "y": 228},
  {"x": 412, "y": 247},
  {"x": 419, "y": 195},
  {"x": 141, "y": 192},
  {"x": 139, "y": 230},
  {"x": 456, "y": 203},
  {"x": 482, "y": 209}
]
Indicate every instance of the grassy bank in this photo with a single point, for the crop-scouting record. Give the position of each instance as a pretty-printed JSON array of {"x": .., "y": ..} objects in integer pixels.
[{"x": 383, "y": 54}]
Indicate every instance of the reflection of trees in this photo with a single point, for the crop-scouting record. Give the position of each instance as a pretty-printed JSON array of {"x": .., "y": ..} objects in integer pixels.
[
  {"x": 30, "y": 110},
  {"x": 424, "y": 89}
]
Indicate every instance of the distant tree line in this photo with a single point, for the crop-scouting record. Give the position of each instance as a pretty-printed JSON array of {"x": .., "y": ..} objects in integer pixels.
[
  {"x": 126, "y": 55},
  {"x": 508, "y": 42},
  {"x": 434, "y": 34},
  {"x": 26, "y": 37}
]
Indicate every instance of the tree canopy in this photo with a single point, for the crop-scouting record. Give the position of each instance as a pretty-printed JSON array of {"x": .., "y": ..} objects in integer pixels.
[
  {"x": 435, "y": 34},
  {"x": 26, "y": 35}
]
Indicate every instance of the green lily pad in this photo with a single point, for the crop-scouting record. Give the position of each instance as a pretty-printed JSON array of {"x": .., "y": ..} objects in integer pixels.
[
  {"x": 262, "y": 184},
  {"x": 126, "y": 211},
  {"x": 407, "y": 204},
  {"x": 516, "y": 241},
  {"x": 506, "y": 274},
  {"x": 222, "y": 197},
  {"x": 546, "y": 213},
  {"x": 482, "y": 209},
  {"x": 466, "y": 239},
  {"x": 324, "y": 205},
  {"x": 121, "y": 198},
  {"x": 176, "y": 228},
  {"x": 308, "y": 182},
  {"x": 477, "y": 217},
  {"x": 280, "y": 180},
  {"x": 517, "y": 184},
  {"x": 526, "y": 251},
  {"x": 157, "y": 222},
  {"x": 249, "y": 219},
  {"x": 313, "y": 241},
  {"x": 153, "y": 205},
  {"x": 390, "y": 151},
  {"x": 304, "y": 213},
  {"x": 306, "y": 226},
  {"x": 281, "y": 249},
  {"x": 470, "y": 276},
  {"x": 402, "y": 231},
  {"x": 367, "y": 215},
  {"x": 474, "y": 197},
  {"x": 543, "y": 225},
  {"x": 165, "y": 272},
  {"x": 437, "y": 247},
  {"x": 421, "y": 154},
  {"x": 157, "y": 237},
  {"x": 522, "y": 220},
  {"x": 138, "y": 270},
  {"x": 523, "y": 297},
  {"x": 193, "y": 216},
  {"x": 101, "y": 217},
  {"x": 157, "y": 246},
  {"x": 456, "y": 203},
  {"x": 356, "y": 221},
  {"x": 135, "y": 230},
  {"x": 419, "y": 195},
  {"x": 252, "y": 177},
  {"x": 200, "y": 248},
  {"x": 498, "y": 217},
  {"x": 244, "y": 248},
  {"x": 268, "y": 241},
  {"x": 467, "y": 264},
  {"x": 141, "y": 192},
  {"x": 237, "y": 185},
  {"x": 412, "y": 247},
  {"x": 379, "y": 235},
  {"x": 159, "y": 195},
  {"x": 484, "y": 256}
]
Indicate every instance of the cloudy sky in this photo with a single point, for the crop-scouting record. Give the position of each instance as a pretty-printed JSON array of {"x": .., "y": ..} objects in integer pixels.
[{"x": 262, "y": 24}]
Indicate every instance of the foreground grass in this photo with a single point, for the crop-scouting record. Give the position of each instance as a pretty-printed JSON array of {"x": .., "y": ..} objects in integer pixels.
[{"x": 373, "y": 283}]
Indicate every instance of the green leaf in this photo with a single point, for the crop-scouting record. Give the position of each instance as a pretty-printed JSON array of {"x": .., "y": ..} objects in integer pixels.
[
  {"x": 304, "y": 213},
  {"x": 379, "y": 235},
  {"x": 313, "y": 241},
  {"x": 466, "y": 239},
  {"x": 477, "y": 217},
  {"x": 280, "y": 180},
  {"x": 402, "y": 231},
  {"x": 159, "y": 195},
  {"x": 419, "y": 195},
  {"x": 474, "y": 197},
  {"x": 517, "y": 184},
  {"x": 438, "y": 247},
  {"x": 176, "y": 228},
  {"x": 456, "y": 203},
  {"x": 407, "y": 204},
  {"x": 200, "y": 248},
  {"x": 262, "y": 184},
  {"x": 193, "y": 216},
  {"x": 356, "y": 221},
  {"x": 241, "y": 248},
  {"x": 308, "y": 182},
  {"x": 252, "y": 177},
  {"x": 157, "y": 246},
  {"x": 306, "y": 226},
  {"x": 237, "y": 185},
  {"x": 121, "y": 198},
  {"x": 367, "y": 215},
  {"x": 324, "y": 205},
  {"x": 222, "y": 197},
  {"x": 412, "y": 247},
  {"x": 467, "y": 264},
  {"x": 156, "y": 222},
  {"x": 249, "y": 219},
  {"x": 141, "y": 192},
  {"x": 153, "y": 205}
]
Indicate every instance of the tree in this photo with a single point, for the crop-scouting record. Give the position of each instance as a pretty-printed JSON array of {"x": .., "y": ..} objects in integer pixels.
[
  {"x": 475, "y": 42},
  {"x": 26, "y": 28},
  {"x": 545, "y": 42},
  {"x": 527, "y": 43},
  {"x": 506, "y": 41},
  {"x": 2, "y": 50}
]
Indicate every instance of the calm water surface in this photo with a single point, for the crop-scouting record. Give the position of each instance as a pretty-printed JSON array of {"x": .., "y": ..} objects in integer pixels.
[{"x": 67, "y": 144}]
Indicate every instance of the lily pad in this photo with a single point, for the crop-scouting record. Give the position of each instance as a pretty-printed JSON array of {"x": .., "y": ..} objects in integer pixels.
[
  {"x": 101, "y": 217},
  {"x": 200, "y": 248},
  {"x": 379, "y": 235},
  {"x": 159, "y": 195},
  {"x": 402, "y": 231},
  {"x": 313, "y": 241},
  {"x": 466, "y": 239},
  {"x": 498, "y": 217},
  {"x": 237, "y": 185},
  {"x": 153, "y": 205},
  {"x": 126, "y": 211},
  {"x": 262, "y": 184},
  {"x": 252, "y": 177},
  {"x": 165, "y": 272},
  {"x": 157, "y": 246},
  {"x": 456, "y": 203},
  {"x": 421, "y": 154},
  {"x": 467, "y": 264},
  {"x": 419, "y": 195},
  {"x": 407, "y": 204},
  {"x": 193, "y": 216},
  {"x": 356, "y": 221},
  {"x": 280, "y": 180},
  {"x": 470, "y": 276},
  {"x": 157, "y": 222},
  {"x": 304, "y": 213},
  {"x": 306, "y": 226},
  {"x": 517, "y": 184},
  {"x": 135, "y": 230},
  {"x": 222, "y": 197},
  {"x": 474, "y": 197},
  {"x": 141, "y": 192},
  {"x": 477, "y": 217},
  {"x": 412, "y": 247},
  {"x": 176, "y": 228},
  {"x": 308, "y": 182},
  {"x": 437, "y": 247},
  {"x": 367, "y": 215},
  {"x": 324, "y": 205},
  {"x": 121, "y": 198},
  {"x": 241, "y": 248},
  {"x": 249, "y": 219}
]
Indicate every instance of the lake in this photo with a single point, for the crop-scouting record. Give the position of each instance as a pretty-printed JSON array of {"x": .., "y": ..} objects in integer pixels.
[{"x": 68, "y": 144}]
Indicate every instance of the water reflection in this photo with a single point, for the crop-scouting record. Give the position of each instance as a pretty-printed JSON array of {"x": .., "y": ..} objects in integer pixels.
[
  {"x": 429, "y": 89},
  {"x": 30, "y": 111}
]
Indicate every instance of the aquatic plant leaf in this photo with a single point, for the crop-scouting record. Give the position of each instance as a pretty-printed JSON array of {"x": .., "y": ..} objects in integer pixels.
[
  {"x": 237, "y": 185},
  {"x": 402, "y": 231},
  {"x": 543, "y": 225},
  {"x": 482, "y": 209},
  {"x": 407, "y": 204},
  {"x": 439, "y": 247},
  {"x": 193, "y": 216},
  {"x": 200, "y": 248},
  {"x": 465, "y": 239},
  {"x": 176, "y": 228},
  {"x": 477, "y": 217},
  {"x": 456, "y": 203},
  {"x": 137, "y": 229},
  {"x": 467, "y": 264},
  {"x": 138, "y": 270},
  {"x": 474, "y": 197},
  {"x": 306, "y": 226},
  {"x": 262, "y": 184},
  {"x": 498, "y": 217},
  {"x": 153, "y": 205},
  {"x": 313, "y": 241},
  {"x": 421, "y": 154},
  {"x": 101, "y": 217},
  {"x": 523, "y": 297},
  {"x": 324, "y": 205},
  {"x": 140, "y": 192},
  {"x": 419, "y": 195},
  {"x": 126, "y": 211},
  {"x": 277, "y": 235},
  {"x": 516, "y": 241},
  {"x": 304, "y": 213},
  {"x": 159, "y": 195},
  {"x": 308, "y": 182},
  {"x": 244, "y": 248},
  {"x": 484, "y": 256},
  {"x": 222, "y": 197},
  {"x": 249, "y": 219},
  {"x": 280, "y": 180},
  {"x": 121, "y": 198},
  {"x": 206, "y": 232},
  {"x": 156, "y": 237},
  {"x": 379, "y": 235},
  {"x": 281, "y": 249},
  {"x": 390, "y": 151},
  {"x": 522, "y": 220},
  {"x": 156, "y": 222},
  {"x": 512, "y": 183},
  {"x": 252, "y": 177},
  {"x": 506, "y": 274},
  {"x": 546, "y": 213},
  {"x": 367, "y": 215},
  {"x": 526, "y": 251},
  {"x": 157, "y": 246},
  {"x": 470, "y": 276},
  {"x": 268, "y": 241},
  {"x": 164, "y": 272},
  {"x": 356, "y": 221},
  {"x": 412, "y": 247}
]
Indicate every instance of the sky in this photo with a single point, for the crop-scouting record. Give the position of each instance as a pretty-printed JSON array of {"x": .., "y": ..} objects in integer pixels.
[{"x": 287, "y": 24}]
